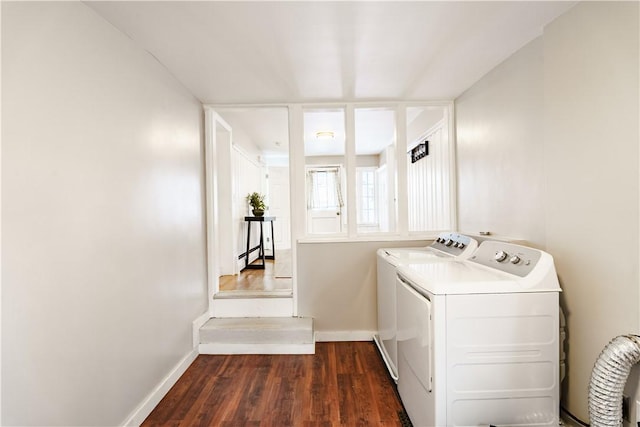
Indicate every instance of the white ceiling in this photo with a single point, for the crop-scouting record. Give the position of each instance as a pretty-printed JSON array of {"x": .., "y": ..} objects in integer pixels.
[
  {"x": 271, "y": 51},
  {"x": 266, "y": 127},
  {"x": 235, "y": 52}
]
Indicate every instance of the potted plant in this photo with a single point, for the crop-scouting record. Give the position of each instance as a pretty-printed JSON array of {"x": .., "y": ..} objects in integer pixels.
[{"x": 256, "y": 200}]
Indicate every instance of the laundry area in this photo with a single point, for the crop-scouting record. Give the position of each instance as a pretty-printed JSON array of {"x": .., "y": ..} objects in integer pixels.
[
  {"x": 404, "y": 213},
  {"x": 473, "y": 345}
]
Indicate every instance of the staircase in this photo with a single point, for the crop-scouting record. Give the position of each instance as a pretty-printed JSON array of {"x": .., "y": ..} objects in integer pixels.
[{"x": 257, "y": 335}]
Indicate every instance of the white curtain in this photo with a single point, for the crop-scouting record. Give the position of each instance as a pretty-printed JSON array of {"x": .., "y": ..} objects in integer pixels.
[{"x": 324, "y": 188}]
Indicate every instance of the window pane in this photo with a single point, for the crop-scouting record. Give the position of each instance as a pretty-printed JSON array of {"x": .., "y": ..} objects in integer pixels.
[
  {"x": 367, "y": 215},
  {"x": 429, "y": 170},
  {"x": 324, "y": 150},
  {"x": 375, "y": 165}
]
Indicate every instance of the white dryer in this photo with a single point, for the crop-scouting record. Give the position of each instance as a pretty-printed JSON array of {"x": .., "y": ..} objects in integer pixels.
[
  {"x": 478, "y": 339},
  {"x": 447, "y": 247}
]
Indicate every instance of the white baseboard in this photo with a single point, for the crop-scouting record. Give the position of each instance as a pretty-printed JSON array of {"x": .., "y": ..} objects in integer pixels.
[
  {"x": 328, "y": 336},
  {"x": 263, "y": 348},
  {"x": 197, "y": 324},
  {"x": 144, "y": 409}
]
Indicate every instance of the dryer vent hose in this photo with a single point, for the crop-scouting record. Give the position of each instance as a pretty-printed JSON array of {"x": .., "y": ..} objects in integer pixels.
[{"x": 608, "y": 379}]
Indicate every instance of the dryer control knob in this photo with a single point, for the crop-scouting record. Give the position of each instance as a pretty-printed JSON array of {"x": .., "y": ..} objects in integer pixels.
[
  {"x": 501, "y": 256},
  {"x": 449, "y": 242},
  {"x": 514, "y": 259},
  {"x": 461, "y": 245}
]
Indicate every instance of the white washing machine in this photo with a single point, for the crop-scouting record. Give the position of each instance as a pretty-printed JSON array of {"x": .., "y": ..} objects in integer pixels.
[
  {"x": 446, "y": 247},
  {"x": 478, "y": 339}
]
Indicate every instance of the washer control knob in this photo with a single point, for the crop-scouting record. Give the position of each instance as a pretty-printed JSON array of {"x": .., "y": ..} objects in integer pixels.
[
  {"x": 501, "y": 256},
  {"x": 449, "y": 242},
  {"x": 461, "y": 245},
  {"x": 514, "y": 259}
]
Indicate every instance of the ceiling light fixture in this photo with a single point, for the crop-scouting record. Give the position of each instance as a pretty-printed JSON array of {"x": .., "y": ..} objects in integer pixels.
[{"x": 324, "y": 135}]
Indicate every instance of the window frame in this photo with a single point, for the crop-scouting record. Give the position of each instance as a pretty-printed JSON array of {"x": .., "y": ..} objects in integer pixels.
[
  {"x": 351, "y": 233},
  {"x": 297, "y": 169}
]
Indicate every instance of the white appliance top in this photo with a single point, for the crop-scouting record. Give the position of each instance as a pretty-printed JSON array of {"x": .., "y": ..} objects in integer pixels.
[
  {"x": 495, "y": 267},
  {"x": 447, "y": 247}
]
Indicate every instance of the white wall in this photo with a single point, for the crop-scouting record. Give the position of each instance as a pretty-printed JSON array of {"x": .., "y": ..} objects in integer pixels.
[
  {"x": 500, "y": 150},
  {"x": 337, "y": 286},
  {"x": 549, "y": 152},
  {"x": 243, "y": 141},
  {"x": 422, "y": 118},
  {"x": 103, "y": 265},
  {"x": 591, "y": 137},
  {"x": 429, "y": 181}
]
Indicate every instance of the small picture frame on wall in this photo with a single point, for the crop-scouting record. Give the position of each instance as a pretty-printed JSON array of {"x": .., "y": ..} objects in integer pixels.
[{"x": 419, "y": 151}]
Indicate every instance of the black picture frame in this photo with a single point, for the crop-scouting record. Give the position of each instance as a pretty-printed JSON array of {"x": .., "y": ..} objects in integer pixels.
[{"x": 420, "y": 151}]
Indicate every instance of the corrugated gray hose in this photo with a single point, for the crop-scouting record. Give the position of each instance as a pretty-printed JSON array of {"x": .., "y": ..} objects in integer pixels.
[{"x": 608, "y": 379}]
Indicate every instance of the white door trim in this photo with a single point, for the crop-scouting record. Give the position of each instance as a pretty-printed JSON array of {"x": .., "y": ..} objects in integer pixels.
[{"x": 212, "y": 158}]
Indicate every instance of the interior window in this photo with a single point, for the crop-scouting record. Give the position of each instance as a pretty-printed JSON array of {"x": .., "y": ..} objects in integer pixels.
[
  {"x": 359, "y": 178},
  {"x": 375, "y": 141},
  {"x": 324, "y": 151}
]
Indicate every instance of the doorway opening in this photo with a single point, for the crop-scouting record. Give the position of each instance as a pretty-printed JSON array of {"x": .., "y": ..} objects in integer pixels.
[{"x": 258, "y": 254}]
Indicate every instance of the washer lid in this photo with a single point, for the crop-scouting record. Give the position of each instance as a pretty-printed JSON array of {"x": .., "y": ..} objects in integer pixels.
[
  {"x": 399, "y": 256},
  {"x": 448, "y": 246}
]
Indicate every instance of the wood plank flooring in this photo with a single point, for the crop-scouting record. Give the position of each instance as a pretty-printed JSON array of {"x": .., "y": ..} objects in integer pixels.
[
  {"x": 275, "y": 277},
  {"x": 343, "y": 384}
]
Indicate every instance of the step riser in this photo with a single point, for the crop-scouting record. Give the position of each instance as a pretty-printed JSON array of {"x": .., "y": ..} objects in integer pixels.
[
  {"x": 265, "y": 335},
  {"x": 253, "y": 307},
  {"x": 225, "y": 348},
  {"x": 256, "y": 336}
]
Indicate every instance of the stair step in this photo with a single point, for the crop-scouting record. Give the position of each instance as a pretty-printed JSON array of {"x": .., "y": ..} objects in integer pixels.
[
  {"x": 258, "y": 330},
  {"x": 263, "y": 335}
]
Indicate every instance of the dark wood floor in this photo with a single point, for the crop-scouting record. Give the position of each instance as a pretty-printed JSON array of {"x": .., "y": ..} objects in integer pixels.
[{"x": 343, "y": 384}]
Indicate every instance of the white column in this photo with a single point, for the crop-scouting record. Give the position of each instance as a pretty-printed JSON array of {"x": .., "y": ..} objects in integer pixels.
[
  {"x": 350, "y": 160},
  {"x": 401, "y": 168},
  {"x": 297, "y": 184}
]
